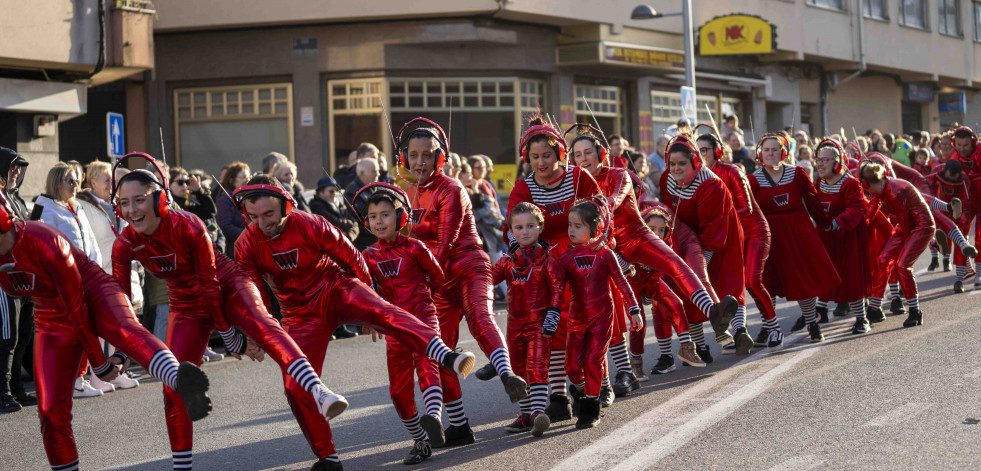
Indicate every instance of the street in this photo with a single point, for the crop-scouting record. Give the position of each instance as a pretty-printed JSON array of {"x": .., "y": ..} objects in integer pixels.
[{"x": 892, "y": 399}]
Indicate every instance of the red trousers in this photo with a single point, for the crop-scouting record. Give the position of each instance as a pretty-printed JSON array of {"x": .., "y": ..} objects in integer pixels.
[
  {"x": 647, "y": 249},
  {"x": 900, "y": 253},
  {"x": 588, "y": 342},
  {"x": 668, "y": 312},
  {"x": 58, "y": 353},
  {"x": 403, "y": 363},
  {"x": 964, "y": 223},
  {"x": 466, "y": 293},
  {"x": 528, "y": 350},
  {"x": 756, "y": 249}
]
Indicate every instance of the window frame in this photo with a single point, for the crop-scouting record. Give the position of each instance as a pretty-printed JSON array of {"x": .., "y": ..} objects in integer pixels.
[
  {"x": 843, "y": 8},
  {"x": 942, "y": 19},
  {"x": 868, "y": 15},
  {"x": 924, "y": 11},
  {"x": 976, "y": 19}
]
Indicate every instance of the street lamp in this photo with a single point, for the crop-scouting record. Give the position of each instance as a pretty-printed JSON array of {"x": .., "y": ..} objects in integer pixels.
[{"x": 647, "y": 12}]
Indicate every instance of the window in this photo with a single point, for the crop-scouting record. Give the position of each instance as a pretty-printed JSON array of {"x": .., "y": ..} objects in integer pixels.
[
  {"x": 977, "y": 21},
  {"x": 875, "y": 9},
  {"x": 606, "y": 103},
  {"x": 834, "y": 4},
  {"x": 949, "y": 17},
  {"x": 666, "y": 109},
  {"x": 218, "y": 125},
  {"x": 913, "y": 13}
]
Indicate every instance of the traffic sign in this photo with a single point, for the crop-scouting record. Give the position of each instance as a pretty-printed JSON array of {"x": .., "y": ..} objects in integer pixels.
[
  {"x": 115, "y": 139},
  {"x": 689, "y": 109}
]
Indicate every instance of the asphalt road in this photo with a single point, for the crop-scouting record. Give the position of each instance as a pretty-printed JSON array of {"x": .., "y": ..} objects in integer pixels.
[{"x": 893, "y": 399}]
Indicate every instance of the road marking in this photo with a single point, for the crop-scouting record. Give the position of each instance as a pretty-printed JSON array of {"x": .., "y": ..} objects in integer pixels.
[
  {"x": 799, "y": 463},
  {"x": 899, "y": 415},
  {"x": 920, "y": 272}
]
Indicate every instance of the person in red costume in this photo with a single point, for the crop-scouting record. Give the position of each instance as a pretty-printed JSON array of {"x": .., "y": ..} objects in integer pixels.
[
  {"x": 637, "y": 244},
  {"x": 321, "y": 281},
  {"x": 533, "y": 290},
  {"x": 843, "y": 199},
  {"x": 914, "y": 229},
  {"x": 442, "y": 218},
  {"x": 700, "y": 199},
  {"x": 589, "y": 268},
  {"x": 76, "y": 302},
  {"x": 756, "y": 234},
  {"x": 553, "y": 186},
  {"x": 967, "y": 152},
  {"x": 404, "y": 271},
  {"x": 789, "y": 201},
  {"x": 206, "y": 290},
  {"x": 948, "y": 184}
]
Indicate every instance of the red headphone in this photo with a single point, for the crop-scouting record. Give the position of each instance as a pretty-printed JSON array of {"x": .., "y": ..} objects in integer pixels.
[
  {"x": 660, "y": 211},
  {"x": 161, "y": 196},
  {"x": 881, "y": 159},
  {"x": 589, "y": 135},
  {"x": 6, "y": 220},
  {"x": 974, "y": 136},
  {"x": 780, "y": 138},
  {"x": 541, "y": 130},
  {"x": 837, "y": 147},
  {"x": 431, "y": 129},
  {"x": 247, "y": 191},
  {"x": 363, "y": 196},
  {"x": 606, "y": 217},
  {"x": 712, "y": 136},
  {"x": 685, "y": 140}
]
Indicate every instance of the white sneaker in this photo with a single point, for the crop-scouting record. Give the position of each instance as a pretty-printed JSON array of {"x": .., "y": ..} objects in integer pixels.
[
  {"x": 330, "y": 404},
  {"x": 100, "y": 384},
  {"x": 84, "y": 389},
  {"x": 211, "y": 355},
  {"x": 124, "y": 381}
]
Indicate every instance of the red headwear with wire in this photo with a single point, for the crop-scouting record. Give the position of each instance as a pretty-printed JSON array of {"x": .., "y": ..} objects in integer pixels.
[
  {"x": 546, "y": 130},
  {"x": 781, "y": 140},
  {"x": 839, "y": 152}
]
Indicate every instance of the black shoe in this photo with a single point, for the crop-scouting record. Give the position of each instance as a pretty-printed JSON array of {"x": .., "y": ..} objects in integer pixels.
[
  {"x": 516, "y": 387},
  {"x": 323, "y": 465},
  {"x": 946, "y": 265},
  {"x": 606, "y": 396},
  {"x": 822, "y": 313},
  {"x": 26, "y": 399},
  {"x": 625, "y": 383},
  {"x": 958, "y": 286},
  {"x": 875, "y": 315},
  {"x": 342, "y": 332},
  {"x": 8, "y": 404},
  {"x": 915, "y": 318},
  {"x": 762, "y": 337},
  {"x": 559, "y": 407},
  {"x": 589, "y": 414},
  {"x": 577, "y": 397},
  {"x": 486, "y": 372},
  {"x": 704, "y": 352},
  {"x": 744, "y": 343},
  {"x": 721, "y": 314},
  {"x": 934, "y": 264},
  {"x": 418, "y": 453},
  {"x": 434, "y": 429},
  {"x": 841, "y": 310},
  {"x": 815, "y": 330},
  {"x": 520, "y": 424},
  {"x": 799, "y": 324},
  {"x": 665, "y": 364},
  {"x": 775, "y": 340},
  {"x": 192, "y": 385},
  {"x": 862, "y": 326},
  {"x": 457, "y": 435},
  {"x": 896, "y": 307}
]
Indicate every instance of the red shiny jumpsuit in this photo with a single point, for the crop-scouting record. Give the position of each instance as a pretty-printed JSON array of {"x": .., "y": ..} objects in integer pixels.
[
  {"x": 75, "y": 303},
  {"x": 845, "y": 201},
  {"x": 756, "y": 235},
  {"x": 588, "y": 269},
  {"x": 181, "y": 253},
  {"x": 914, "y": 229},
  {"x": 533, "y": 287},
  {"x": 442, "y": 218},
  {"x": 666, "y": 308},
  {"x": 404, "y": 272},
  {"x": 321, "y": 281}
]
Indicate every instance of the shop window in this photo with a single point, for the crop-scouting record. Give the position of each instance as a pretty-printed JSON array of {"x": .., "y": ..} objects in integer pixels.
[
  {"x": 606, "y": 104},
  {"x": 666, "y": 109}
]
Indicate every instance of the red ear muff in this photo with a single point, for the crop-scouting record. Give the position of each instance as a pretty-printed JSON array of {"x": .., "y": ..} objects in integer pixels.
[
  {"x": 542, "y": 130},
  {"x": 784, "y": 145},
  {"x": 431, "y": 128},
  {"x": 591, "y": 133},
  {"x": 363, "y": 196},
  {"x": 683, "y": 139},
  {"x": 837, "y": 147}
]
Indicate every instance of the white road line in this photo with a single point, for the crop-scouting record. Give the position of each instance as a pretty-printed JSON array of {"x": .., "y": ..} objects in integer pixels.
[
  {"x": 799, "y": 463},
  {"x": 899, "y": 415}
]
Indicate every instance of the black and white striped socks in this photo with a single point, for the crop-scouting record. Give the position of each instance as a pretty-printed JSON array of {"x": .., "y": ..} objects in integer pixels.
[
  {"x": 501, "y": 361},
  {"x": 538, "y": 397},
  {"x": 163, "y": 366},
  {"x": 664, "y": 346},
  {"x": 414, "y": 428},
  {"x": 455, "y": 413},
  {"x": 771, "y": 324},
  {"x": 739, "y": 320},
  {"x": 956, "y": 237},
  {"x": 73, "y": 466},
  {"x": 857, "y": 308},
  {"x": 960, "y": 271},
  {"x": 875, "y": 303},
  {"x": 620, "y": 359},
  {"x": 704, "y": 302},
  {"x": 556, "y": 372},
  {"x": 895, "y": 290},
  {"x": 913, "y": 303},
  {"x": 432, "y": 397},
  {"x": 606, "y": 382},
  {"x": 940, "y": 205},
  {"x": 302, "y": 372},
  {"x": 808, "y": 308},
  {"x": 697, "y": 334},
  {"x": 333, "y": 458},
  {"x": 821, "y": 303},
  {"x": 437, "y": 350},
  {"x": 183, "y": 460},
  {"x": 524, "y": 405}
]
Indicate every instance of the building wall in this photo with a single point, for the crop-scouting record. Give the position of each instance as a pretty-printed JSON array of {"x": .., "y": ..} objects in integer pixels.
[
  {"x": 42, "y": 33},
  {"x": 866, "y": 103}
]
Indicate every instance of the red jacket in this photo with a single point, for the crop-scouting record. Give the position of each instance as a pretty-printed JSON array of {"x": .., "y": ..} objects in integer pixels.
[
  {"x": 534, "y": 285},
  {"x": 750, "y": 216},
  {"x": 588, "y": 269},
  {"x": 905, "y": 203},
  {"x": 946, "y": 190},
  {"x": 442, "y": 218},
  {"x": 554, "y": 203},
  {"x": 405, "y": 273}
]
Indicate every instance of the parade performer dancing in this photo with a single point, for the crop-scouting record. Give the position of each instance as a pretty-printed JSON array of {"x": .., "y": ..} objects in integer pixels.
[
  {"x": 206, "y": 290},
  {"x": 967, "y": 152},
  {"x": 949, "y": 184},
  {"x": 321, "y": 282}
]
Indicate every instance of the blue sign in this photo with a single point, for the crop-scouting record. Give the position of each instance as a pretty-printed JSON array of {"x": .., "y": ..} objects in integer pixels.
[
  {"x": 954, "y": 102},
  {"x": 921, "y": 92},
  {"x": 115, "y": 135}
]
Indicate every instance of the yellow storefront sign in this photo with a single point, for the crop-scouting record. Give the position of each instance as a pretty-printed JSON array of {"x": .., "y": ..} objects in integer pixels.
[{"x": 736, "y": 34}]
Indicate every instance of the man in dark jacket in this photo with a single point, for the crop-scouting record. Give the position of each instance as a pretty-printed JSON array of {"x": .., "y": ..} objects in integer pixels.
[
  {"x": 327, "y": 203},
  {"x": 367, "y": 172}
]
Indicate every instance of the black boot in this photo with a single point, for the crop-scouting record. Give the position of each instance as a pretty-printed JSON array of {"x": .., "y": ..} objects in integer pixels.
[
  {"x": 342, "y": 332},
  {"x": 625, "y": 383},
  {"x": 606, "y": 396},
  {"x": 822, "y": 313},
  {"x": 418, "y": 453},
  {"x": 704, "y": 353},
  {"x": 799, "y": 324},
  {"x": 323, "y": 465},
  {"x": 559, "y": 407},
  {"x": 915, "y": 318},
  {"x": 486, "y": 372},
  {"x": 577, "y": 397},
  {"x": 515, "y": 386},
  {"x": 457, "y": 435},
  {"x": 589, "y": 413},
  {"x": 841, "y": 310},
  {"x": 934, "y": 264},
  {"x": 9, "y": 404},
  {"x": 861, "y": 326},
  {"x": 721, "y": 313},
  {"x": 814, "y": 329},
  {"x": 958, "y": 286},
  {"x": 897, "y": 307},
  {"x": 875, "y": 315},
  {"x": 946, "y": 264}
]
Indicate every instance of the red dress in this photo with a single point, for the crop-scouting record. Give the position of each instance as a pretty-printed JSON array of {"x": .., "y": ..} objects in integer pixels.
[
  {"x": 799, "y": 267},
  {"x": 845, "y": 202}
]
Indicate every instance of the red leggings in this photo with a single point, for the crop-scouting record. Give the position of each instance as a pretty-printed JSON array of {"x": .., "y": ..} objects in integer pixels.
[
  {"x": 529, "y": 353},
  {"x": 58, "y": 353},
  {"x": 586, "y": 352},
  {"x": 668, "y": 312},
  {"x": 402, "y": 364},
  {"x": 756, "y": 251},
  {"x": 647, "y": 249},
  {"x": 900, "y": 252}
]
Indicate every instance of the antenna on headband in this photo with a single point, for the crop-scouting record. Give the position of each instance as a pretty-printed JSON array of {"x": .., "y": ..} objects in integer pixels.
[
  {"x": 449, "y": 127},
  {"x": 751, "y": 128},
  {"x": 793, "y": 121},
  {"x": 598, "y": 128},
  {"x": 390, "y": 132},
  {"x": 714, "y": 126},
  {"x": 229, "y": 195},
  {"x": 163, "y": 150}
]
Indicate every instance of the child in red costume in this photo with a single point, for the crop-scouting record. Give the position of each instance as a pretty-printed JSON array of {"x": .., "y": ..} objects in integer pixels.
[
  {"x": 589, "y": 267},
  {"x": 404, "y": 272},
  {"x": 914, "y": 229},
  {"x": 321, "y": 281},
  {"x": 533, "y": 290},
  {"x": 206, "y": 290},
  {"x": 76, "y": 302}
]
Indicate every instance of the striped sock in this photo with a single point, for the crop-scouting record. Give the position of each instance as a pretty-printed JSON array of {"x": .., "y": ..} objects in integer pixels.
[
  {"x": 538, "y": 394},
  {"x": 664, "y": 346},
  {"x": 771, "y": 324},
  {"x": 556, "y": 372},
  {"x": 857, "y": 308},
  {"x": 415, "y": 430},
  {"x": 432, "y": 397},
  {"x": 739, "y": 320},
  {"x": 913, "y": 303},
  {"x": 697, "y": 334},
  {"x": 333, "y": 458},
  {"x": 163, "y": 366},
  {"x": 183, "y": 460},
  {"x": 933, "y": 252},
  {"x": 437, "y": 350},
  {"x": 822, "y": 303},
  {"x": 947, "y": 258},
  {"x": 960, "y": 271},
  {"x": 956, "y": 237},
  {"x": 525, "y": 405},
  {"x": 620, "y": 358},
  {"x": 73, "y": 466},
  {"x": 301, "y": 372},
  {"x": 454, "y": 412},
  {"x": 940, "y": 205},
  {"x": 807, "y": 307},
  {"x": 977, "y": 270},
  {"x": 606, "y": 382},
  {"x": 501, "y": 361},
  {"x": 895, "y": 290},
  {"x": 580, "y": 386},
  {"x": 684, "y": 337},
  {"x": 702, "y": 299},
  {"x": 875, "y": 303}
]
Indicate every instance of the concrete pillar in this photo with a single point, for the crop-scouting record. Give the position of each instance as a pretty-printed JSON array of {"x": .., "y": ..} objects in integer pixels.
[
  {"x": 308, "y": 141},
  {"x": 641, "y": 130},
  {"x": 41, "y": 152}
]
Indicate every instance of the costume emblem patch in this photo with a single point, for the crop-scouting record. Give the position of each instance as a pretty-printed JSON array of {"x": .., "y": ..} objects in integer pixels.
[
  {"x": 554, "y": 208},
  {"x": 415, "y": 215},
  {"x": 22, "y": 280},
  {"x": 827, "y": 206},
  {"x": 163, "y": 263},
  {"x": 287, "y": 260},
  {"x": 521, "y": 274},
  {"x": 585, "y": 262},
  {"x": 782, "y": 199},
  {"x": 390, "y": 268}
]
